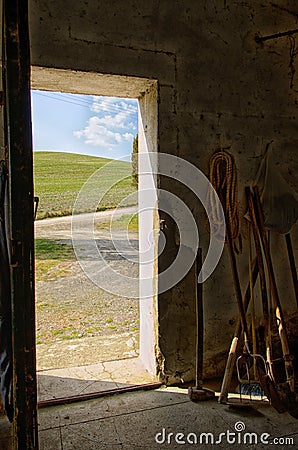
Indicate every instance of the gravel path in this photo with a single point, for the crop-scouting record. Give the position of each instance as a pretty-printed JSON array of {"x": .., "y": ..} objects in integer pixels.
[
  {"x": 60, "y": 227},
  {"x": 70, "y": 306}
]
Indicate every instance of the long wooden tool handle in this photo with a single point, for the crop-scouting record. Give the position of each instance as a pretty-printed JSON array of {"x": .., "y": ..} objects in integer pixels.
[
  {"x": 279, "y": 312},
  {"x": 237, "y": 284},
  {"x": 226, "y": 382},
  {"x": 292, "y": 264},
  {"x": 200, "y": 323},
  {"x": 265, "y": 302},
  {"x": 254, "y": 224}
]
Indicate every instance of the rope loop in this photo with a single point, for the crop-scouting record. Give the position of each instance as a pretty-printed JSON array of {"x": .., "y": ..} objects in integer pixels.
[{"x": 223, "y": 176}]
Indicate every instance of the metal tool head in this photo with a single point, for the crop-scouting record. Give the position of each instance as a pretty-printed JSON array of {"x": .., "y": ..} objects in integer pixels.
[{"x": 200, "y": 394}]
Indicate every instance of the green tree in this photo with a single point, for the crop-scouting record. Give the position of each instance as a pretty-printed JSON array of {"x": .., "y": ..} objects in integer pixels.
[{"x": 134, "y": 162}]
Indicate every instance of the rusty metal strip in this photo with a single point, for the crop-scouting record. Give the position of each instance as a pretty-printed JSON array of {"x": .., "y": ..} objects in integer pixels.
[
  {"x": 99, "y": 394},
  {"x": 269, "y": 37}
]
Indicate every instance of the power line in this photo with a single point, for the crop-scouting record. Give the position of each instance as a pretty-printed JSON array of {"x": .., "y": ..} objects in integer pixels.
[
  {"x": 82, "y": 102},
  {"x": 61, "y": 100}
]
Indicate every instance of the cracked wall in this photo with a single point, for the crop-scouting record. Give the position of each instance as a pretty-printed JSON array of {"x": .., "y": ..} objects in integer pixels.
[{"x": 217, "y": 87}]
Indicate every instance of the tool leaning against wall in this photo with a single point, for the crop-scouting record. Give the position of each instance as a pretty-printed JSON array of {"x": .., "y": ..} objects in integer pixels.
[
  {"x": 223, "y": 176},
  {"x": 276, "y": 207},
  {"x": 282, "y": 396}
]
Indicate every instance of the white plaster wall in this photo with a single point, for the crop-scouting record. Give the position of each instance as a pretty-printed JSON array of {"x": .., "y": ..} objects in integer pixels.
[{"x": 148, "y": 231}]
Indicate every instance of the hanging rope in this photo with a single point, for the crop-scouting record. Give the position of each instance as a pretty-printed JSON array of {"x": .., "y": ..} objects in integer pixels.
[{"x": 223, "y": 176}]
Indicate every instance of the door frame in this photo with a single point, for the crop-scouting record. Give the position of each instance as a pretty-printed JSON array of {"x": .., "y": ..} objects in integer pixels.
[{"x": 18, "y": 143}]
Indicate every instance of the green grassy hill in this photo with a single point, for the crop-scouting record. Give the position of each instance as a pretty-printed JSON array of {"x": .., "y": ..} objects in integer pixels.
[{"x": 58, "y": 178}]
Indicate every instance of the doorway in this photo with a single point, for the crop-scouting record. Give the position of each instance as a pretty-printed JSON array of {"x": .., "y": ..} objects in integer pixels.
[{"x": 75, "y": 357}]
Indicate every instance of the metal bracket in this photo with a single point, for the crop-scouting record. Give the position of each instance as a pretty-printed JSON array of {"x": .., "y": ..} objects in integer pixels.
[{"x": 269, "y": 37}]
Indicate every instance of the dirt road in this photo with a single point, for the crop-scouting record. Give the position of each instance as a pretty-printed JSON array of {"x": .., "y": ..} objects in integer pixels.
[
  {"x": 60, "y": 227},
  {"x": 70, "y": 307}
]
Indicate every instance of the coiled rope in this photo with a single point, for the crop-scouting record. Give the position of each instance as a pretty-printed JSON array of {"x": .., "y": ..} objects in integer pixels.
[{"x": 223, "y": 176}]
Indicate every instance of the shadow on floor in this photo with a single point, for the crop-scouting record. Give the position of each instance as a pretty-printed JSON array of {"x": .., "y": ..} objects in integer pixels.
[{"x": 161, "y": 419}]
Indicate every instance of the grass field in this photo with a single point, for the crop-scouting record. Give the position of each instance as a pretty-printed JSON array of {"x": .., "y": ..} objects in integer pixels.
[{"x": 58, "y": 178}]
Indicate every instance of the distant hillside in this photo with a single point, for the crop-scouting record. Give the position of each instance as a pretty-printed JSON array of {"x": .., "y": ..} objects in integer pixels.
[{"x": 58, "y": 178}]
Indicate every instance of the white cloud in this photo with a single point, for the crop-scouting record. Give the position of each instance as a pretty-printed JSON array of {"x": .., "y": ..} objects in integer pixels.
[
  {"x": 97, "y": 134},
  {"x": 113, "y": 105},
  {"x": 132, "y": 126},
  {"x": 118, "y": 121},
  {"x": 114, "y": 123},
  {"x": 128, "y": 136},
  {"x": 100, "y": 104},
  {"x": 78, "y": 134}
]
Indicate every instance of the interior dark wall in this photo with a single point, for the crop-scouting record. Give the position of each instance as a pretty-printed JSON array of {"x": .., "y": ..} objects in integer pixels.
[{"x": 217, "y": 88}]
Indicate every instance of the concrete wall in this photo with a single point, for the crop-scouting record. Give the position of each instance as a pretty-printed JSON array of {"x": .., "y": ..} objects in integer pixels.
[{"x": 217, "y": 87}]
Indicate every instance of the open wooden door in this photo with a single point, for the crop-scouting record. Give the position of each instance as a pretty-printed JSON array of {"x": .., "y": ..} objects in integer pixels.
[{"x": 19, "y": 161}]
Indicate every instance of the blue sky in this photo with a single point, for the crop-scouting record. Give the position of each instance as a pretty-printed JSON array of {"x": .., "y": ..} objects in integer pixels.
[{"x": 97, "y": 126}]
